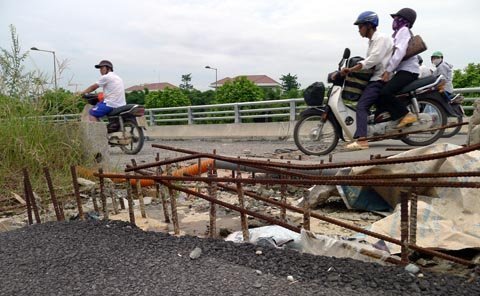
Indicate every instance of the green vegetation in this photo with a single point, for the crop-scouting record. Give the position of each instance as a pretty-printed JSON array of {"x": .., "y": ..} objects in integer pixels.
[
  {"x": 28, "y": 140},
  {"x": 137, "y": 97},
  {"x": 468, "y": 77},
  {"x": 169, "y": 97},
  {"x": 289, "y": 82},
  {"x": 239, "y": 90},
  {"x": 33, "y": 143}
]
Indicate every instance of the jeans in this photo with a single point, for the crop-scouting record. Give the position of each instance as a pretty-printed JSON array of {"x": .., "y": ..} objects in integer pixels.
[{"x": 387, "y": 95}]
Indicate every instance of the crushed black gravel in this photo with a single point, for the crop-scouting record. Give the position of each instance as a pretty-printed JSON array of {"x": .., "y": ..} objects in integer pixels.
[{"x": 116, "y": 258}]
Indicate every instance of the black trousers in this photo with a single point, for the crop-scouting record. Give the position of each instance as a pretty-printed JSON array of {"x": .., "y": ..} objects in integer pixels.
[{"x": 387, "y": 95}]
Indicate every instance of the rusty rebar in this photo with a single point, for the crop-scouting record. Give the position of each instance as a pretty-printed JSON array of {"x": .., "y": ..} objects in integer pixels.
[
  {"x": 233, "y": 207},
  {"x": 333, "y": 181},
  {"x": 94, "y": 201},
  {"x": 353, "y": 227},
  {"x": 27, "y": 201},
  {"x": 161, "y": 194},
  {"x": 29, "y": 189},
  {"x": 307, "y": 212},
  {"x": 76, "y": 191},
  {"x": 114, "y": 199},
  {"x": 56, "y": 206},
  {"x": 122, "y": 203},
  {"x": 283, "y": 200},
  {"x": 241, "y": 203},
  {"x": 139, "y": 193},
  {"x": 396, "y": 160},
  {"x": 212, "y": 191},
  {"x": 404, "y": 226},
  {"x": 173, "y": 204},
  {"x": 413, "y": 216},
  {"x": 103, "y": 197},
  {"x": 131, "y": 212}
]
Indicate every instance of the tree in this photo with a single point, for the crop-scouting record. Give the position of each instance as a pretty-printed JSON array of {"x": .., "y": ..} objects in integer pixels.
[
  {"x": 289, "y": 82},
  {"x": 186, "y": 79},
  {"x": 169, "y": 97},
  {"x": 137, "y": 97},
  {"x": 201, "y": 98},
  {"x": 239, "y": 90},
  {"x": 468, "y": 77},
  {"x": 272, "y": 93}
]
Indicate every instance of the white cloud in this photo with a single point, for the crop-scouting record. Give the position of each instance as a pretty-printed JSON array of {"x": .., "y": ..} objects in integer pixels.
[{"x": 150, "y": 40}]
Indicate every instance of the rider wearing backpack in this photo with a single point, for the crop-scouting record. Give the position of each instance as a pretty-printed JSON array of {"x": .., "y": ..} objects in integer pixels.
[{"x": 378, "y": 53}]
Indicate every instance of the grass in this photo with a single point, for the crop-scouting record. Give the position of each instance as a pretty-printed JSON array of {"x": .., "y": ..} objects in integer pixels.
[{"x": 30, "y": 142}]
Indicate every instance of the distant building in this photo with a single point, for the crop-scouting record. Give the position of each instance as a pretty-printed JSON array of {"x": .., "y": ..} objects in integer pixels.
[
  {"x": 150, "y": 86},
  {"x": 260, "y": 80}
]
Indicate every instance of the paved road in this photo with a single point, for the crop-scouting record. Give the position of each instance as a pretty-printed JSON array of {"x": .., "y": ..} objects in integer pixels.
[{"x": 266, "y": 149}]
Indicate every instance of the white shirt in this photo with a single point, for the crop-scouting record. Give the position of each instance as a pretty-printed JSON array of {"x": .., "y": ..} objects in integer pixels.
[
  {"x": 424, "y": 71},
  {"x": 445, "y": 69},
  {"x": 378, "y": 53},
  {"x": 400, "y": 44},
  {"x": 113, "y": 90}
]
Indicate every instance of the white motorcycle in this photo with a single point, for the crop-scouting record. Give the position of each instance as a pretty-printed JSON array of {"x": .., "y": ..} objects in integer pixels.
[{"x": 320, "y": 126}]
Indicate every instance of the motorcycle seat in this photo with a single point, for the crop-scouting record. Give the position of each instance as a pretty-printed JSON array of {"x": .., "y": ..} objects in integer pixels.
[
  {"x": 418, "y": 83},
  {"x": 122, "y": 109}
]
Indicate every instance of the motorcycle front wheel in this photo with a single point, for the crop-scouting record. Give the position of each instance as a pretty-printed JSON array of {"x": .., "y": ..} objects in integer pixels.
[
  {"x": 313, "y": 136},
  {"x": 135, "y": 133},
  {"x": 438, "y": 117}
]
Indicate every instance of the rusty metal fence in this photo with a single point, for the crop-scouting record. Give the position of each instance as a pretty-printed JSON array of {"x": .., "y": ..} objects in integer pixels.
[{"x": 278, "y": 173}]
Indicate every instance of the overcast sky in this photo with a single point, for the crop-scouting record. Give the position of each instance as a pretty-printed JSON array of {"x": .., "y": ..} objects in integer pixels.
[{"x": 160, "y": 40}]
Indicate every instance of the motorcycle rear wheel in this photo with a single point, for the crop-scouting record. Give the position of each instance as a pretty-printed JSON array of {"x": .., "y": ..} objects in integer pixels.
[
  {"x": 315, "y": 137},
  {"x": 450, "y": 132},
  {"x": 439, "y": 117},
  {"x": 137, "y": 137}
]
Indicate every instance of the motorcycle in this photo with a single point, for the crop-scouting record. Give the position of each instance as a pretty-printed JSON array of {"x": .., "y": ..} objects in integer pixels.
[
  {"x": 122, "y": 128},
  {"x": 456, "y": 104},
  {"x": 321, "y": 126}
]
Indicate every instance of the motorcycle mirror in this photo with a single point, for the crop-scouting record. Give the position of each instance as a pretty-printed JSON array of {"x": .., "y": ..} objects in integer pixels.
[{"x": 346, "y": 53}]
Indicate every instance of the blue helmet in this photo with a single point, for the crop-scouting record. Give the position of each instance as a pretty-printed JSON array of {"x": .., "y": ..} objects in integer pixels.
[{"x": 367, "y": 17}]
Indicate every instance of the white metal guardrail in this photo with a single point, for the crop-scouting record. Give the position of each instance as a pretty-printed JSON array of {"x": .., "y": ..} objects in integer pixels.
[{"x": 259, "y": 111}]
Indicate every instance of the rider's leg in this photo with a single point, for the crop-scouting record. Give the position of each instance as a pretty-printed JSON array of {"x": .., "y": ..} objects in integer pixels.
[
  {"x": 98, "y": 111},
  {"x": 387, "y": 95},
  {"x": 368, "y": 98},
  {"x": 93, "y": 118}
]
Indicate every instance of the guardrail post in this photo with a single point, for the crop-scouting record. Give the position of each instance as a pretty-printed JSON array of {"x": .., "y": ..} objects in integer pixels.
[
  {"x": 293, "y": 109},
  {"x": 236, "y": 108},
  {"x": 190, "y": 115},
  {"x": 151, "y": 119}
]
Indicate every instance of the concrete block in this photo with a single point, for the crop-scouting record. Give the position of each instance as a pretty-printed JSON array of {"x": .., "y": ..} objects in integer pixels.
[{"x": 95, "y": 144}]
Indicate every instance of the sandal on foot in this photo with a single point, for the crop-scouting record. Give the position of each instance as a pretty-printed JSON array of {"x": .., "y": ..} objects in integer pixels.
[{"x": 356, "y": 146}]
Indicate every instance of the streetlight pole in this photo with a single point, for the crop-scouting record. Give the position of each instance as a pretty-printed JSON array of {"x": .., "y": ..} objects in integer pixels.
[
  {"x": 54, "y": 64},
  {"x": 216, "y": 77}
]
